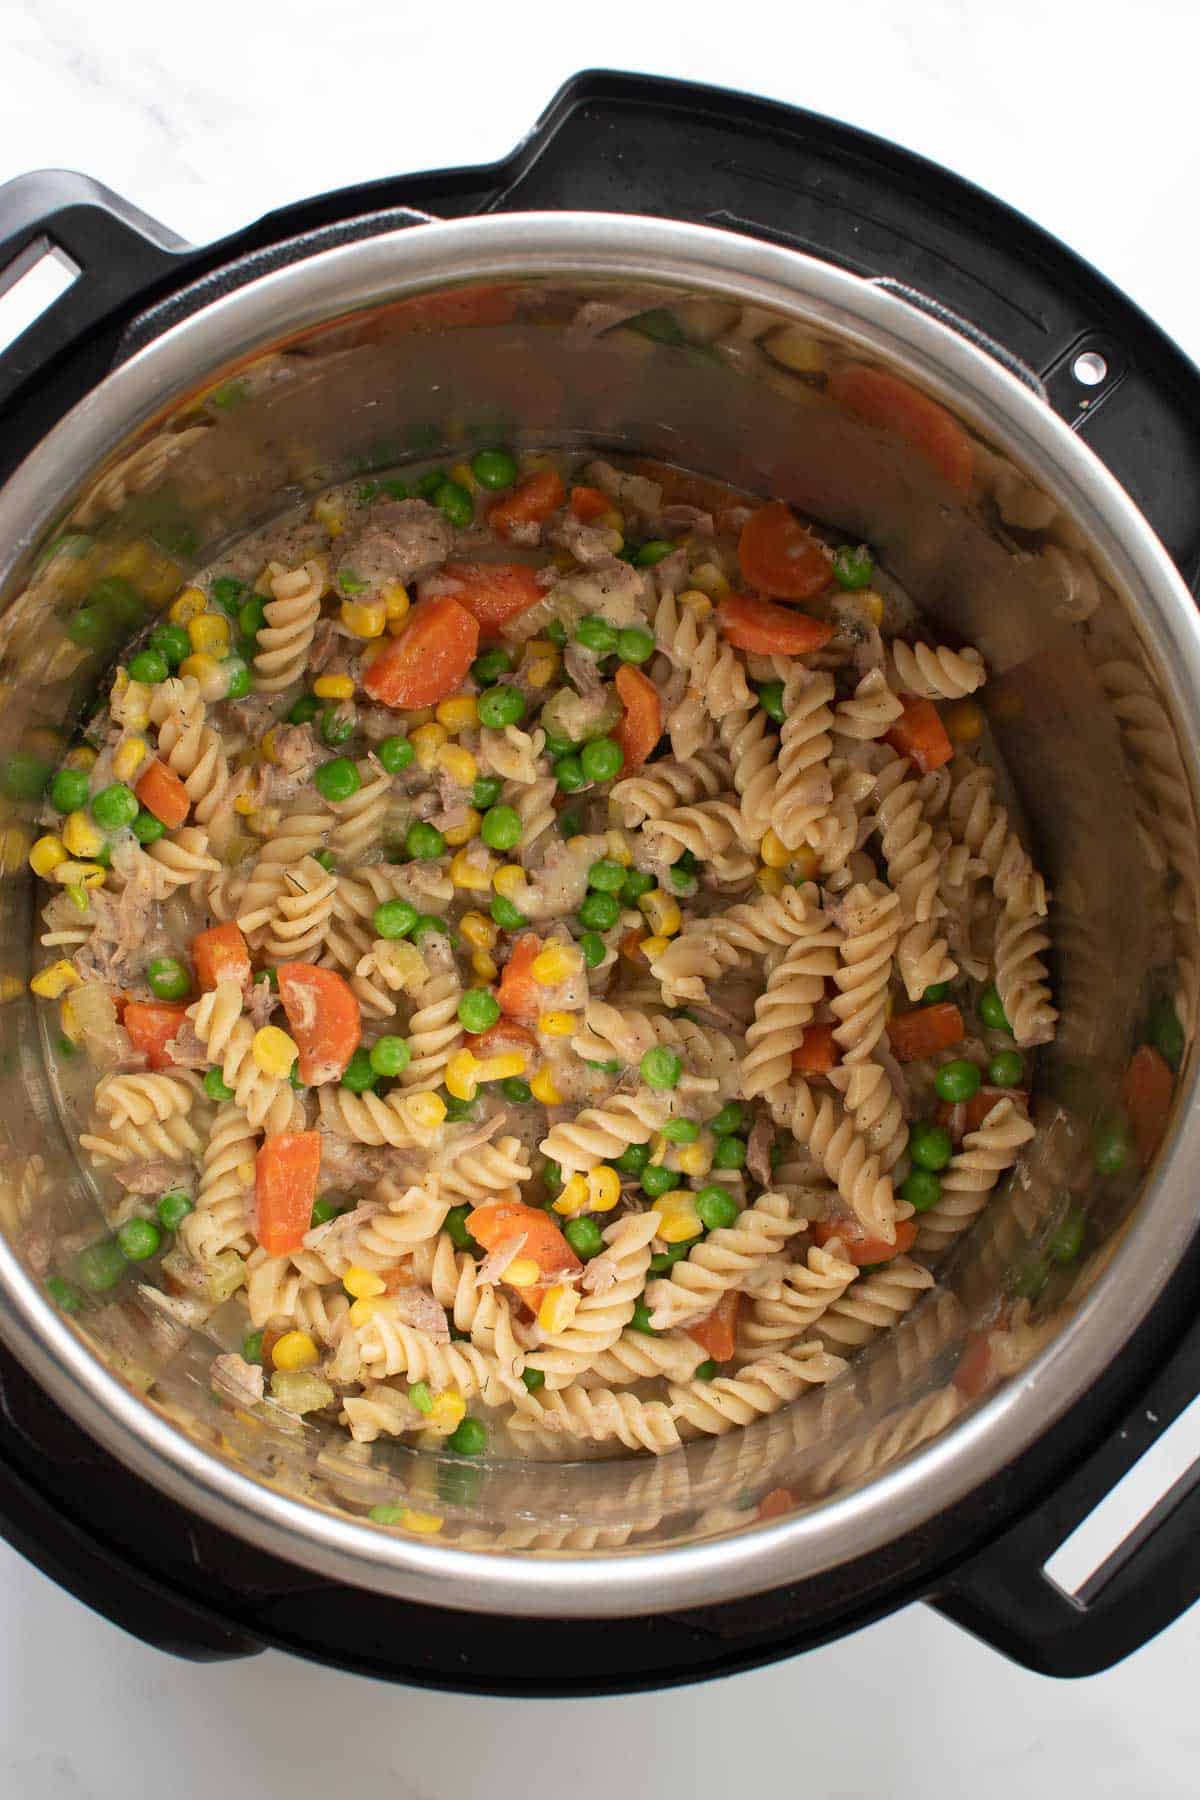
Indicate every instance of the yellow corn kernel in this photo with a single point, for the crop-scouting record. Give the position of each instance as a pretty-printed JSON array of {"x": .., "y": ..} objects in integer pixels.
[
  {"x": 554, "y": 964},
  {"x": 604, "y": 1188},
  {"x": 873, "y": 605},
  {"x": 502, "y": 1068},
  {"x": 653, "y": 946},
  {"x": 616, "y": 846},
  {"x": 426, "y": 1109},
  {"x": 462, "y": 1075},
  {"x": 129, "y": 560},
  {"x": 81, "y": 835},
  {"x": 11, "y": 988},
  {"x": 509, "y": 880},
  {"x": 774, "y": 852},
  {"x": 53, "y": 983},
  {"x": 81, "y": 757},
  {"x": 330, "y": 514},
  {"x": 295, "y": 1350},
  {"x": 678, "y": 1219},
  {"x": 365, "y": 621},
  {"x": 245, "y": 1172},
  {"x": 46, "y": 855},
  {"x": 363, "y": 1284},
  {"x": 695, "y": 1159},
  {"x": 264, "y": 821},
  {"x": 710, "y": 579},
  {"x": 273, "y": 1051},
  {"x": 574, "y": 1196},
  {"x": 396, "y": 627},
  {"x": 698, "y": 604},
  {"x": 456, "y": 761},
  {"x": 659, "y": 1145},
  {"x": 426, "y": 741},
  {"x": 542, "y": 1088},
  {"x": 189, "y": 605},
  {"x": 483, "y": 963},
  {"x": 334, "y": 687},
  {"x": 522, "y": 1272},
  {"x": 803, "y": 863},
  {"x": 462, "y": 834},
  {"x": 478, "y": 930},
  {"x": 210, "y": 631},
  {"x": 372, "y": 652},
  {"x": 449, "y": 1411},
  {"x": 73, "y": 874},
  {"x": 770, "y": 881},
  {"x": 557, "y": 1024},
  {"x": 244, "y": 804},
  {"x": 964, "y": 721},
  {"x": 472, "y": 875},
  {"x": 68, "y": 1018},
  {"x": 458, "y": 713},
  {"x": 130, "y": 757},
  {"x": 160, "y": 578},
  {"x": 363, "y": 1311},
  {"x": 612, "y": 520},
  {"x": 425, "y": 1524},
  {"x": 267, "y": 747},
  {"x": 205, "y": 669},
  {"x": 558, "y": 1307},
  {"x": 465, "y": 476},
  {"x": 395, "y": 602},
  {"x": 14, "y": 847},
  {"x": 539, "y": 671},
  {"x": 661, "y": 912}
]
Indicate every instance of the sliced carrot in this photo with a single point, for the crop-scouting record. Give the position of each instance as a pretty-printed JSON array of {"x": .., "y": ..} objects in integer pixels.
[
  {"x": 501, "y": 1040},
  {"x": 486, "y": 304},
  {"x": 518, "y": 991},
  {"x": 151, "y": 1025},
  {"x": 925, "y": 1031},
  {"x": 531, "y": 502},
  {"x": 493, "y": 593},
  {"x": 640, "y": 729},
  {"x": 973, "y": 1372},
  {"x": 285, "y": 1185},
  {"x": 496, "y": 1220},
  {"x": 220, "y": 954},
  {"x": 161, "y": 792},
  {"x": 818, "y": 1052},
  {"x": 750, "y": 624},
  {"x": 588, "y": 503},
  {"x": 779, "y": 557},
  {"x": 896, "y": 406},
  {"x": 631, "y": 947},
  {"x": 860, "y": 1248},
  {"x": 716, "y": 1332},
  {"x": 919, "y": 733},
  {"x": 1146, "y": 1091},
  {"x": 975, "y": 1110},
  {"x": 775, "y": 1504},
  {"x": 428, "y": 662},
  {"x": 324, "y": 1017}
]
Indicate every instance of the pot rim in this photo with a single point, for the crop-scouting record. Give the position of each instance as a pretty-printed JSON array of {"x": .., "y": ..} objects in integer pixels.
[{"x": 633, "y": 248}]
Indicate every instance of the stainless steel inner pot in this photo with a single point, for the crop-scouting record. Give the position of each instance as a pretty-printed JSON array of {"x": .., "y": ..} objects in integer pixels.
[{"x": 362, "y": 356}]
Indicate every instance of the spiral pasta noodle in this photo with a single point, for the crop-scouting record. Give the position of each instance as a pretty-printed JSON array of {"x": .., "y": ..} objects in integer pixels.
[
  {"x": 871, "y": 913},
  {"x": 936, "y": 672},
  {"x": 369, "y": 1118},
  {"x": 620, "y": 1031},
  {"x": 512, "y": 753},
  {"x": 971, "y": 1175},
  {"x": 872, "y": 710},
  {"x": 221, "y": 1218},
  {"x": 873, "y": 1305},
  {"x": 300, "y": 917},
  {"x": 600, "y": 1318},
  {"x": 720, "y": 1261},
  {"x": 298, "y": 836},
  {"x": 597, "y": 1414},
  {"x": 434, "y": 1030},
  {"x": 803, "y": 788},
  {"x": 478, "y": 1174},
  {"x": 761, "y": 1387},
  {"x": 181, "y": 858},
  {"x": 786, "y": 1005},
  {"x": 873, "y": 1104},
  {"x": 385, "y": 1345},
  {"x": 714, "y": 674},
  {"x": 807, "y": 1292},
  {"x": 194, "y": 751},
  {"x": 706, "y": 829},
  {"x": 278, "y": 1294},
  {"x": 475, "y": 1309},
  {"x": 834, "y": 1139},
  {"x": 599, "y": 1133},
  {"x": 706, "y": 948},
  {"x": 982, "y": 826},
  {"x": 663, "y": 787},
  {"x": 358, "y": 821},
  {"x": 291, "y": 619},
  {"x": 217, "y": 1020},
  {"x": 1020, "y": 978}
]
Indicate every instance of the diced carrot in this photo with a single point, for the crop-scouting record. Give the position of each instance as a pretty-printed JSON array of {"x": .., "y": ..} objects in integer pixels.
[
  {"x": 760, "y": 625},
  {"x": 496, "y": 1220},
  {"x": 1146, "y": 1091},
  {"x": 896, "y": 406},
  {"x": 776, "y": 1504},
  {"x": 324, "y": 1018},
  {"x": 779, "y": 557},
  {"x": 588, "y": 503},
  {"x": 920, "y": 734},
  {"x": 220, "y": 954},
  {"x": 716, "y": 1332},
  {"x": 151, "y": 1025},
  {"x": 486, "y": 304},
  {"x": 972, "y": 1374},
  {"x": 925, "y": 1031},
  {"x": 501, "y": 1040},
  {"x": 818, "y": 1052},
  {"x": 518, "y": 991},
  {"x": 859, "y": 1247},
  {"x": 631, "y": 947},
  {"x": 429, "y": 660},
  {"x": 531, "y": 502},
  {"x": 161, "y": 792},
  {"x": 285, "y": 1186},
  {"x": 975, "y": 1110},
  {"x": 641, "y": 727},
  {"x": 493, "y": 593}
]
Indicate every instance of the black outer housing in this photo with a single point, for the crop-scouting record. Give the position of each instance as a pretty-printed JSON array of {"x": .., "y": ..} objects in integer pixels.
[{"x": 628, "y": 143}]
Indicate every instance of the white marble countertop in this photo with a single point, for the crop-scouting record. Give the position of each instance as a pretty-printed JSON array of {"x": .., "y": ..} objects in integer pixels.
[{"x": 1083, "y": 116}]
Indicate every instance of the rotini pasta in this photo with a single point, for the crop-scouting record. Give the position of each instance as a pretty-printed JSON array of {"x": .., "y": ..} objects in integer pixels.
[{"x": 286, "y": 639}]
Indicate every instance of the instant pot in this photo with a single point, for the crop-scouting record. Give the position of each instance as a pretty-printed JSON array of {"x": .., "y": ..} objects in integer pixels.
[{"x": 172, "y": 396}]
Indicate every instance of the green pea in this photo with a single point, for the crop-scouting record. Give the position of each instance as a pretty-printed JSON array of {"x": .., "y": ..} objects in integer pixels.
[
  {"x": 559, "y": 746},
  {"x": 395, "y": 753},
  {"x": 494, "y": 469},
  {"x": 271, "y": 977},
  {"x": 478, "y": 1010},
  {"x": 922, "y": 1189},
  {"x": 147, "y": 829},
  {"x": 90, "y": 629},
  {"x": 929, "y": 1145},
  {"x": 168, "y": 978},
  {"x": 507, "y": 916},
  {"x": 69, "y": 790},
  {"x": 172, "y": 644},
  {"x": 488, "y": 668},
  {"x": 428, "y": 484},
  {"x": 596, "y": 634},
  {"x": 486, "y": 791},
  {"x": 853, "y": 566},
  {"x": 148, "y": 666},
  {"x": 661, "y": 1068},
  {"x": 681, "y": 1131},
  {"x": 633, "y": 1159},
  {"x": 656, "y": 1180},
  {"x": 1066, "y": 1241},
  {"x": 606, "y": 876},
  {"x": 252, "y": 616},
  {"x": 337, "y": 780},
  {"x": 600, "y": 912},
  {"x": 1006, "y": 1069},
  {"x": 731, "y": 1117},
  {"x": 228, "y": 592},
  {"x": 716, "y": 1207},
  {"x": 568, "y": 772},
  {"x": 652, "y": 552},
  {"x": 641, "y": 1319},
  {"x": 660, "y": 324},
  {"x": 937, "y": 990},
  {"x": 115, "y": 806},
  {"x": 237, "y": 677},
  {"x": 770, "y": 698},
  {"x": 592, "y": 945},
  {"x": 663, "y": 1260},
  {"x": 252, "y": 1347},
  {"x": 306, "y": 709},
  {"x": 424, "y": 842},
  {"x": 101, "y": 1265},
  {"x": 336, "y": 726},
  {"x": 602, "y": 759},
  {"x": 552, "y": 1175},
  {"x": 500, "y": 706},
  {"x": 707, "y": 1370},
  {"x": 65, "y": 1048},
  {"x": 173, "y": 1209},
  {"x": 326, "y": 860},
  {"x": 421, "y": 1397},
  {"x": 215, "y": 1085},
  {"x": 957, "y": 1081},
  {"x": 730, "y": 1153},
  {"x": 534, "y": 1379},
  {"x": 516, "y": 1091},
  {"x": 350, "y": 583},
  {"x": 1165, "y": 1032},
  {"x": 358, "y": 1074},
  {"x": 455, "y": 504},
  {"x": 1110, "y": 1144},
  {"x": 585, "y": 1238},
  {"x": 456, "y": 1225},
  {"x": 991, "y": 1010},
  {"x": 681, "y": 881},
  {"x": 1029, "y": 1281},
  {"x": 120, "y": 600},
  {"x": 396, "y": 489},
  {"x": 469, "y": 1439},
  {"x": 556, "y": 631},
  {"x": 390, "y": 1056},
  {"x": 294, "y": 1080},
  {"x": 610, "y": 1066},
  {"x": 384, "y": 1514},
  {"x": 138, "y": 1238},
  {"x": 64, "y": 1296},
  {"x": 634, "y": 645},
  {"x": 501, "y": 827}
]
